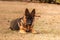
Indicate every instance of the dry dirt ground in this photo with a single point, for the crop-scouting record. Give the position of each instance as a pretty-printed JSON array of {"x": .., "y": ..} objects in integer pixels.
[{"x": 48, "y": 24}]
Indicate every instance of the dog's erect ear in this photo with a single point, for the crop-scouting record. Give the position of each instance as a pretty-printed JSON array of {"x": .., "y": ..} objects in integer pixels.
[
  {"x": 33, "y": 12},
  {"x": 26, "y": 12}
]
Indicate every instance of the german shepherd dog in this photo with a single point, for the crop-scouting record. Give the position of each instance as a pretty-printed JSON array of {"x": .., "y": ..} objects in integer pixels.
[{"x": 24, "y": 24}]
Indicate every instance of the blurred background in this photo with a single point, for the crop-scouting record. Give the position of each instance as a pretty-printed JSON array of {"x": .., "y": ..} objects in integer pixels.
[{"x": 42, "y": 1}]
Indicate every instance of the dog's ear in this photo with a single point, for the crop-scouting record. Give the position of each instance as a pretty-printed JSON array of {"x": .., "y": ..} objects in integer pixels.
[
  {"x": 33, "y": 12},
  {"x": 26, "y": 12}
]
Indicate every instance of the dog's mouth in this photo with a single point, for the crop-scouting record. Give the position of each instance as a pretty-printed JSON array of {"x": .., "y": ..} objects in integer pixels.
[{"x": 28, "y": 28}]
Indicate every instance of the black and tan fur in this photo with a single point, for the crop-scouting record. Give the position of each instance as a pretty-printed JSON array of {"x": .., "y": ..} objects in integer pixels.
[{"x": 24, "y": 24}]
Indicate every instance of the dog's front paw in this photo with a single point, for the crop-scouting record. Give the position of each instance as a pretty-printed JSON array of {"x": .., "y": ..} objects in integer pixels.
[
  {"x": 34, "y": 31},
  {"x": 22, "y": 31}
]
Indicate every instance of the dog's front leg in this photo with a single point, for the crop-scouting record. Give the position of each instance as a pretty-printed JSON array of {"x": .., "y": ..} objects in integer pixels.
[
  {"x": 21, "y": 29},
  {"x": 33, "y": 31}
]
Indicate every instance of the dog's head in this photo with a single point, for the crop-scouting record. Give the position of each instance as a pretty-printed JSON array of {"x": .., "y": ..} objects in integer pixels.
[{"x": 29, "y": 16}]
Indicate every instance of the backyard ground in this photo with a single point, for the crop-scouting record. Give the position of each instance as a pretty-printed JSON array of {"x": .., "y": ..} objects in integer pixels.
[{"x": 48, "y": 24}]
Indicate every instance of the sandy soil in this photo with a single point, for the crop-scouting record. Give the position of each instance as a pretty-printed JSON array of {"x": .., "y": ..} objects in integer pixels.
[{"x": 48, "y": 25}]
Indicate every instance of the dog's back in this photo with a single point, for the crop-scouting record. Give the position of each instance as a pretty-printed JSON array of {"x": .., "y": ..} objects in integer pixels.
[{"x": 14, "y": 24}]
